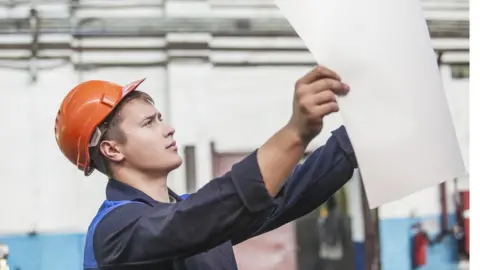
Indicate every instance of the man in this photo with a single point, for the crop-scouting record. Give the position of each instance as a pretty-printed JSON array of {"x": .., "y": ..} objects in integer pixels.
[{"x": 145, "y": 225}]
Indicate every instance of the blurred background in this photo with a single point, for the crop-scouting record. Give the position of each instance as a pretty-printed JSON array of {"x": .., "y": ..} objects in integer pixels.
[{"x": 222, "y": 73}]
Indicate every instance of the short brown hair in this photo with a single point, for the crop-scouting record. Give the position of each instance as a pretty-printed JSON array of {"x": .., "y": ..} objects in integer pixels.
[{"x": 111, "y": 125}]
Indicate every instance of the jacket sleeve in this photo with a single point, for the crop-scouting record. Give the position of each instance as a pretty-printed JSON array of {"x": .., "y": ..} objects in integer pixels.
[
  {"x": 138, "y": 233},
  {"x": 324, "y": 172}
]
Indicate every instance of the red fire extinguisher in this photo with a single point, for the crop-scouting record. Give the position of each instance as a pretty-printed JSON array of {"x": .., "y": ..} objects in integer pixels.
[
  {"x": 466, "y": 217},
  {"x": 420, "y": 246}
]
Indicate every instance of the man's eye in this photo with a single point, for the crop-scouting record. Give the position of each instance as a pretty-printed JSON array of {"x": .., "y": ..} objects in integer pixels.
[{"x": 149, "y": 122}]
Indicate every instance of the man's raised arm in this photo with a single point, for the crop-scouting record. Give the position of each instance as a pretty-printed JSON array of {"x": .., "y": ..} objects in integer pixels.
[{"x": 314, "y": 99}]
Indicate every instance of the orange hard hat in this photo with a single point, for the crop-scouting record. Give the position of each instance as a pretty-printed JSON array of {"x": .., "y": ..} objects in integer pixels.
[{"x": 84, "y": 108}]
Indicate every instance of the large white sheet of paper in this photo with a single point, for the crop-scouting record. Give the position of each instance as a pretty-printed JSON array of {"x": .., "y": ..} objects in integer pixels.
[{"x": 396, "y": 113}]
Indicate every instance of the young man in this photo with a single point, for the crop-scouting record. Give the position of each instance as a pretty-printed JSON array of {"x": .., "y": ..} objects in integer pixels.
[{"x": 145, "y": 225}]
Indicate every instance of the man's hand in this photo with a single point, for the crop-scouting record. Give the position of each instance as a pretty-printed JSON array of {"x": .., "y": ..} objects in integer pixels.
[{"x": 314, "y": 99}]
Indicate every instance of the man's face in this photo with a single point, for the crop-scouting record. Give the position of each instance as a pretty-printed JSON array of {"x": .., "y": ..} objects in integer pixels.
[{"x": 149, "y": 144}]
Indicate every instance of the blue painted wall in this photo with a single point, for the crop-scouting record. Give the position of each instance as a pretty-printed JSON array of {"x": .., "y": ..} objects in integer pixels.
[
  {"x": 395, "y": 243},
  {"x": 45, "y": 251}
]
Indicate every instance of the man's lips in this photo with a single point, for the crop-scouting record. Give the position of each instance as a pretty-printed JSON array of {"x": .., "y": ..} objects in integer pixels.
[{"x": 173, "y": 144}]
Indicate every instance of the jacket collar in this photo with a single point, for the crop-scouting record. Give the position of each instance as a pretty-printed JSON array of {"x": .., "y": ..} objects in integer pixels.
[{"x": 119, "y": 191}]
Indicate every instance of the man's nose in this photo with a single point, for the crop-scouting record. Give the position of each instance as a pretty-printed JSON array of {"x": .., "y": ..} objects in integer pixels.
[{"x": 169, "y": 131}]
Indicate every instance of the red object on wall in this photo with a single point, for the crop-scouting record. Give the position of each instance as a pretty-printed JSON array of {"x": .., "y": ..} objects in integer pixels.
[
  {"x": 420, "y": 248},
  {"x": 466, "y": 218}
]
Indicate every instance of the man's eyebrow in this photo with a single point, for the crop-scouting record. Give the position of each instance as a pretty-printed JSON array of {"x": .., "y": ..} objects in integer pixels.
[{"x": 150, "y": 117}]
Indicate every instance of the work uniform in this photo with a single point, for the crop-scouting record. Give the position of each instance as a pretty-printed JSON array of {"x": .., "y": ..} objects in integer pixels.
[{"x": 133, "y": 231}]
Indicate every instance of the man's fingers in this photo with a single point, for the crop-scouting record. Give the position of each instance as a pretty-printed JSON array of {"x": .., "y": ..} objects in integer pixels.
[
  {"x": 317, "y": 73},
  {"x": 324, "y": 97},
  {"x": 337, "y": 87},
  {"x": 325, "y": 109}
]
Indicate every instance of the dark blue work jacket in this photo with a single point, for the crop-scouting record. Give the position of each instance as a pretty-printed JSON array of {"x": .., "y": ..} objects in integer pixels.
[{"x": 133, "y": 231}]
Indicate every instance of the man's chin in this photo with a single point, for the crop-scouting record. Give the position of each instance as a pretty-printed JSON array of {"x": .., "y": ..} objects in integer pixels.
[{"x": 177, "y": 162}]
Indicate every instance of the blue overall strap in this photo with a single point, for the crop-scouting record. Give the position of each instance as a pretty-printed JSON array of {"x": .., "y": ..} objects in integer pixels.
[
  {"x": 89, "y": 261},
  {"x": 184, "y": 196}
]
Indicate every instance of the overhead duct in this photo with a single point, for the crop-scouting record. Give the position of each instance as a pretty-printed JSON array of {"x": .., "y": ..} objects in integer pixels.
[{"x": 132, "y": 27}]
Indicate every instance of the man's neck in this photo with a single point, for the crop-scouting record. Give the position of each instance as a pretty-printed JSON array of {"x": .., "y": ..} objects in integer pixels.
[{"x": 153, "y": 186}]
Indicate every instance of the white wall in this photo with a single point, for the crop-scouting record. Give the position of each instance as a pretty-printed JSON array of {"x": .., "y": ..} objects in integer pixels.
[{"x": 34, "y": 171}]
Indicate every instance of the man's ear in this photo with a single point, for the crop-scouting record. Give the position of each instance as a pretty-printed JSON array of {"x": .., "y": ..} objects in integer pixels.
[{"x": 111, "y": 151}]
